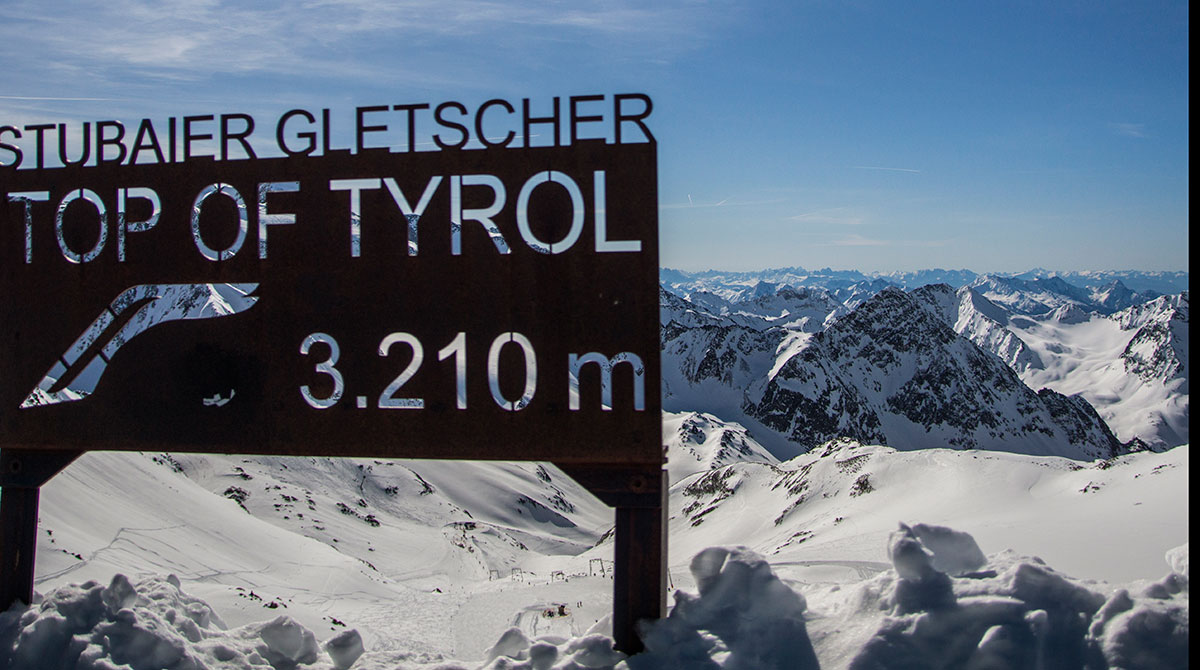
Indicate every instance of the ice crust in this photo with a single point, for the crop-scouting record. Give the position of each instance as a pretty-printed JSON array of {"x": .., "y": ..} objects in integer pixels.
[{"x": 999, "y": 612}]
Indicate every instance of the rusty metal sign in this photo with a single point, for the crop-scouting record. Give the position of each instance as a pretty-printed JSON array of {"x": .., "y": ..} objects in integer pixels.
[{"x": 490, "y": 303}]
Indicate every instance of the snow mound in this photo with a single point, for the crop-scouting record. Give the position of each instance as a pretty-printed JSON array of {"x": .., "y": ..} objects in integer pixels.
[
  {"x": 743, "y": 613},
  {"x": 515, "y": 651},
  {"x": 953, "y": 552},
  {"x": 151, "y": 626},
  {"x": 1177, "y": 558},
  {"x": 1017, "y": 613},
  {"x": 995, "y": 613},
  {"x": 344, "y": 648}
]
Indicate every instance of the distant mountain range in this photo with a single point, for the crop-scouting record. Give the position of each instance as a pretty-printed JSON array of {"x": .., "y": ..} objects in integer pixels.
[
  {"x": 1098, "y": 284},
  {"x": 1030, "y": 365}
]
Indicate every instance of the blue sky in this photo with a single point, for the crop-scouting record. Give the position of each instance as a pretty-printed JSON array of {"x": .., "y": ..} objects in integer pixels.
[{"x": 859, "y": 135}]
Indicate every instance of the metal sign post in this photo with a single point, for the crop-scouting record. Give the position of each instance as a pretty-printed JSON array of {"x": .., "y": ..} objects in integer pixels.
[
  {"x": 496, "y": 303},
  {"x": 639, "y": 544},
  {"x": 22, "y": 474}
]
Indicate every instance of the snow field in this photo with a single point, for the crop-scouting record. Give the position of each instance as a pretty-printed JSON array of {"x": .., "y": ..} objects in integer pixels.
[
  {"x": 940, "y": 604},
  {"x": 1105, "y": 520},
  {"x": 464, "y": 551}
]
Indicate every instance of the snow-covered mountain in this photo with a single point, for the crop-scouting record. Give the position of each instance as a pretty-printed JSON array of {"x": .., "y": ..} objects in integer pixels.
[
  {"x": 889, "y": 372},
  {"x": 698, "y": 442},
  {"x": 1128, "y": 363},
  {"x": 710, "y": 362},
  {"x": 1141, "y": 281},
  {"x": 1131, "y": 365},
  {"x": 805, "y": 309},
  {"x": 1038, "y": 296},
  {"x": 732, "y": 284},
  {"x": 1115, "y": 296},
  {"x": 980, "y": 320},
  {"x": 1047, "y": 294}
]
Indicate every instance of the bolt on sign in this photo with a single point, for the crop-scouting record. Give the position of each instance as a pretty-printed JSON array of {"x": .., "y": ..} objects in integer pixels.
[{"x": 491, "y": 293}]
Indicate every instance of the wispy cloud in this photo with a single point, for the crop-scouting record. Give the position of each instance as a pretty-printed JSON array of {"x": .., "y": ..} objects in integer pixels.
[
  {"x": 724, "y": 202},
  {"x": 886, "y": 169},
  {"x": 48, "y": 98},
  {"x": 840, "y": 216},
  {"x": 859, "y": 241},
  {"x": 1137, "y": 130},
  {"x": 862, "y": 241},
  {"x": 193, "y": 39}
]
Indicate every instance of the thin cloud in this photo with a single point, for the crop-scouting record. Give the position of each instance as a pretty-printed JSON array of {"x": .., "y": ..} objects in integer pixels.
[
  {"x": 837, "y": 216},
  {"x": 726, "y": 202},
  {"x": 42, "y": 98},
  {"x": 1137, "y": 130},
  {"x": 860, "y": 241},
  {"x": 886, "y": 169},
  {"x": 182, "y": 39}
]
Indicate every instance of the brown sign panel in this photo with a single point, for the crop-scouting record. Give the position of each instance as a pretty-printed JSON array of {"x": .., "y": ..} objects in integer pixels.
[{"x": 480, "y": 304}]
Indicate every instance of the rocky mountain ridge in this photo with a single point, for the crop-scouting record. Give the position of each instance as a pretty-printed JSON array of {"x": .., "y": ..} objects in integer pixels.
[{"x": 892, "y": 371}]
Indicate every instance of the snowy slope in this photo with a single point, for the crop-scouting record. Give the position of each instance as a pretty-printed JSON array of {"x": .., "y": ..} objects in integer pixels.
[
  {"x": 1132, "y": 366},
  {"x": 326, "y": 561},
  {"x": 698, "y": 442},
  {"x": 824, "y": 521},
  {"x": 826, "y": 515}
]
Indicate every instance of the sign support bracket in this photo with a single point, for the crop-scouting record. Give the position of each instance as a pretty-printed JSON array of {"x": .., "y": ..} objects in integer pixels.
[
  {"x": 639, "y": 494},
  {"x": 22, "y": 473}
]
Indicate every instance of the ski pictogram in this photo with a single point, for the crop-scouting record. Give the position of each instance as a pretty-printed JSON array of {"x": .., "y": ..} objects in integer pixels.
[{"x": 137, "y": 309}]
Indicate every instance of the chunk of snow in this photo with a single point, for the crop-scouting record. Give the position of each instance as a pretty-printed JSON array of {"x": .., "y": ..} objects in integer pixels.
[
  {"x": 754, "y": 616},
  {"x": 1177, "y": 558},
  {"x": 1150, "y": 634},
  {"x": 954, "y": 552},
  {"x": 512, "y": 644},
  {"x": 287, "y": 642},
  {"x": 344, "y": 649}
]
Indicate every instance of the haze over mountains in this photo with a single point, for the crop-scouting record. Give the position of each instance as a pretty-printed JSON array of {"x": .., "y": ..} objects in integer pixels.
[{"x": 719, "y": 281}]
